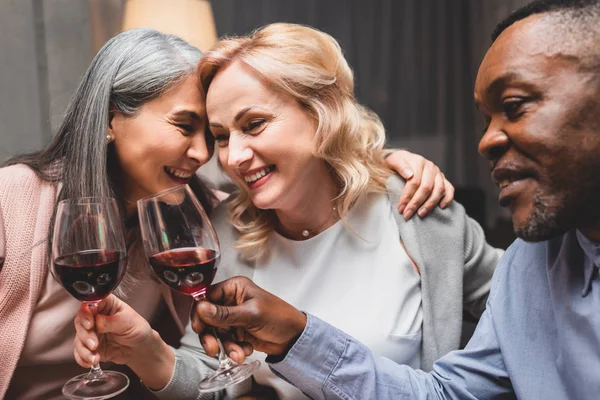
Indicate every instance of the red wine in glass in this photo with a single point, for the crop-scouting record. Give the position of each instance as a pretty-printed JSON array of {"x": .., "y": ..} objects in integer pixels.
[
  {"x": 187, "y": 270},
  {"x": 91, "y": 275},
  {"x": 89, "y": 258},
  {"x": 183, "y": 249}
]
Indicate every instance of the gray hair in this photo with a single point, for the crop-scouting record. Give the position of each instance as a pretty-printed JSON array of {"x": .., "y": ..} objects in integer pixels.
[{"x": 132, "y": 68}]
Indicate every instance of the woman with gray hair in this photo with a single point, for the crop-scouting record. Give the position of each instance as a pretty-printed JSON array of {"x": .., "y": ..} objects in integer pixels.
[{"x": 135, "y": 126}]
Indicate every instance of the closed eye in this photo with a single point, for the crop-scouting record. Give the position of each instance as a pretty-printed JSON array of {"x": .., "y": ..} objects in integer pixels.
[
  {"x": 222, "y": 140},
  {"x": 254, "y": 125},
  {"x": 187, "y": 129}
]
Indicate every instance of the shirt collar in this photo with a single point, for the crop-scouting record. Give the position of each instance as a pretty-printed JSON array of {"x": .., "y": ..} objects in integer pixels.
[{"x": 592, "y": 261}]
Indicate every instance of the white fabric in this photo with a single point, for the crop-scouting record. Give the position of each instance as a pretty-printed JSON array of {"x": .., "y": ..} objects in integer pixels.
[{"x": 357, "y": 277}]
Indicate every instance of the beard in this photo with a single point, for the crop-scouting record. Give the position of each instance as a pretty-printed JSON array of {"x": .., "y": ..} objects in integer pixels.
[{"x": 574, "y": 205}]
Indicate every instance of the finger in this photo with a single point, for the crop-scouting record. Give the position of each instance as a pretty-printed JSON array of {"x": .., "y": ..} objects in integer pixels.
[
  {"x": 448, "y": 193},
  {"x": 407, "y": 194},
  {"x": 436, "y": 196},
  {"x": 223, "y": 316},
  {"x": 424, "y": 190},
  {"x": 265, "y": 347},
  {"x": 234, "y": 351},
  {"x": 209, "y": 344},
  {"x": 84, "y": 317},
  {"x": 398, "y": 162},
  {"x": 108, "y": 306},
  {"x": 87, "y": 337},
  {"x": 84, "y": 354},
  {"x": 231, "y": 291},
  {"x": 84, "y": 330}
]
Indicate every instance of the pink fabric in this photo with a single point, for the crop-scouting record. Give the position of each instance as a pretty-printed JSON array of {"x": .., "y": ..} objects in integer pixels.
[{"x": 26, "y": 203}]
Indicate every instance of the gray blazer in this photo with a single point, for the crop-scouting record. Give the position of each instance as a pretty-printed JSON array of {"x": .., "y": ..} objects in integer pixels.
[{"x": 455, "y": 262}]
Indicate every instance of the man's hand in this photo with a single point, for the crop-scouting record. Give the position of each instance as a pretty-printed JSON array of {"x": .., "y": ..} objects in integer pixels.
[{"x": 255, "y": 316}]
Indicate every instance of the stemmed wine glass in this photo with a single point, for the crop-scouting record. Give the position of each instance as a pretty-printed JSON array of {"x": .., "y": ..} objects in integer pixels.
[
  {"x": 89, "y": 260},
  {"x": 184, "y": 252}
]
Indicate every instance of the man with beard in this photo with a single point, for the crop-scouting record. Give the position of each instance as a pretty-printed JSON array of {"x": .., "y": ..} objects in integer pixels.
[{"x": 538, "y": 89}]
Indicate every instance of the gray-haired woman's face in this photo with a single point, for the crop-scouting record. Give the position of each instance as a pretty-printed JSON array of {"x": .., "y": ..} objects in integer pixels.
[{"x": 163, "y": 144}]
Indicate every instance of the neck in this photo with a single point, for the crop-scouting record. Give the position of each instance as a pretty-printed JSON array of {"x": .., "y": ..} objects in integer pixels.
[{"x": 313, "y": 212}]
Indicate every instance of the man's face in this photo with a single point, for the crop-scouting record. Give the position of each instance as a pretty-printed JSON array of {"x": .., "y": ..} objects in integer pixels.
[{"x": 542, "y": 135}]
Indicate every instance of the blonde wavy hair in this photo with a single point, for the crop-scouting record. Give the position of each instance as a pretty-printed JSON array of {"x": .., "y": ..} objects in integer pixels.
[{"x": 308, "y": 65}]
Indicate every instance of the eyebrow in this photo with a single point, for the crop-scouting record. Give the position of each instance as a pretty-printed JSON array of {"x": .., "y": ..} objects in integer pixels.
[
  {"x": 237, "y": 117},
  {"x": 503, "y": 80},
  {"x": 186, "y": 113}
]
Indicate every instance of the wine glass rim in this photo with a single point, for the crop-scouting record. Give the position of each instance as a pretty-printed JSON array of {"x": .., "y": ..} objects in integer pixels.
[
  {"x": 163, "y": 192},
  {"x": 87, "y": 200}
]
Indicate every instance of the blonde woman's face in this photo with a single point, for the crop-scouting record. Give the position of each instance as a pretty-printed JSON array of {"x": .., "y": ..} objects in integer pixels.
[
  {"x": 163, "y": 144},
  {"x": 264, "y": 139}
]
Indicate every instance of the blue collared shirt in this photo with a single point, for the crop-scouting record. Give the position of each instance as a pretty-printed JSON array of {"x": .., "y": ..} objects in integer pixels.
[{"x": 539, "y": 338}]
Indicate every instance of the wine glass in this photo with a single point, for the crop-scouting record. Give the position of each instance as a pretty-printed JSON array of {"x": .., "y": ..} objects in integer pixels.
[
  {"x": 89, "y": 260},
  {"x": 184, "y": 252}
]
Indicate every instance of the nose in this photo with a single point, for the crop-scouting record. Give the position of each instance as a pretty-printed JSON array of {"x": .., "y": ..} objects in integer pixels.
[
  {"x": 239, "y": 152},
  {"x": 198, "y": 150},
  {"x": 494, "y": 142}
]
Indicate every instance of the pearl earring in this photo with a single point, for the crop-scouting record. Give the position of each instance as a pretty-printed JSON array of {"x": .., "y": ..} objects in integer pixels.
[{"x": 109, "y": 139}]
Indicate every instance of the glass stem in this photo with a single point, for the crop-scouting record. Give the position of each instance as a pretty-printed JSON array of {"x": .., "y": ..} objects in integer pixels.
[
  {"x": 225, "y": 362},
  {"x": 96, "y": 372}
]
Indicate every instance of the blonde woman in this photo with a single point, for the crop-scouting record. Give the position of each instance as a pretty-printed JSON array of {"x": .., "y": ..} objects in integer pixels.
[{"x": 314, "y": 220}]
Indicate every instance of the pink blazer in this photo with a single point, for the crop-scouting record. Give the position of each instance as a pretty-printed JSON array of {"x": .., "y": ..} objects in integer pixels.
[{"x": 26, "y": 203}]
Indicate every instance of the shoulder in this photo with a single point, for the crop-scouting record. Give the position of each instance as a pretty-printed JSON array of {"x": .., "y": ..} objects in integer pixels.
[
  {"x": 523, "y": 259},
  {"x": 19, "y": 178},
  {"x": 17, "y": 173},
  {"x": 450, "y": 220}
]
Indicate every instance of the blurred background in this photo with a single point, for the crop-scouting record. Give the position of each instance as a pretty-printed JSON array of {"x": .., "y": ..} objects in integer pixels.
[{"x": 415, "y": 63}]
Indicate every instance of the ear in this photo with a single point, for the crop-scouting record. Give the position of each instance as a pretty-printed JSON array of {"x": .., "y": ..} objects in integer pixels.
[{"x": 115, "y": 120}]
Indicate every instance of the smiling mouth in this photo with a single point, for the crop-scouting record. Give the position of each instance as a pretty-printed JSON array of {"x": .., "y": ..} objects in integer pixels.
[
  {"x": 252, "y": 178},
  {"x": 178, "y": 175}
]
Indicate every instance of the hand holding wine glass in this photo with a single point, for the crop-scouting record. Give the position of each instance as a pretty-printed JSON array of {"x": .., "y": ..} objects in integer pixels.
[
  {"x": 89, "y": 258},
  {"x": 184, "y": 252}
]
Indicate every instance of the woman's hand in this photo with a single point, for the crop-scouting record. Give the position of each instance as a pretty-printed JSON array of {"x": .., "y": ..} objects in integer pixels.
[
  {"x": 123, "y": 337},
  {"x": 426, "y": 185}
]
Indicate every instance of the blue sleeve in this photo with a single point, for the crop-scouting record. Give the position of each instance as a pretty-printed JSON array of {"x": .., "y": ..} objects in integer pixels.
[{"x": 325, "y": 363}]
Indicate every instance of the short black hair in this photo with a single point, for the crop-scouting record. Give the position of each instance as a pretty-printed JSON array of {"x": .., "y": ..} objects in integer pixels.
[{"x": 575, "y": 8}]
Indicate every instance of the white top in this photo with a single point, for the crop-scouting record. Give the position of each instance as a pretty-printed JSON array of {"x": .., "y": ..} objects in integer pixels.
[{"x": 339, "y": 275}]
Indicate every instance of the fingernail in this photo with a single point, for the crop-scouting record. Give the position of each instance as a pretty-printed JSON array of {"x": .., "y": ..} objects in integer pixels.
[
  {"x": 407, "y": 173},
  {"x": 401, "y": 208},
  {"x": 408, "y": 213},
  {"x": 422, "y": 212},
  {"x": 234, "y": 356},
  {"x": 87, "y": 324},
  {"x": 443, "y": 205},
  {"x": 91, "y": 343}
]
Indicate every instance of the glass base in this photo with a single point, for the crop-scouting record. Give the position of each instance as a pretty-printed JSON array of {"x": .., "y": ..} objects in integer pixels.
[
  {"x": 110, "y": 384},
  {"x": 223, "y": 378}
]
